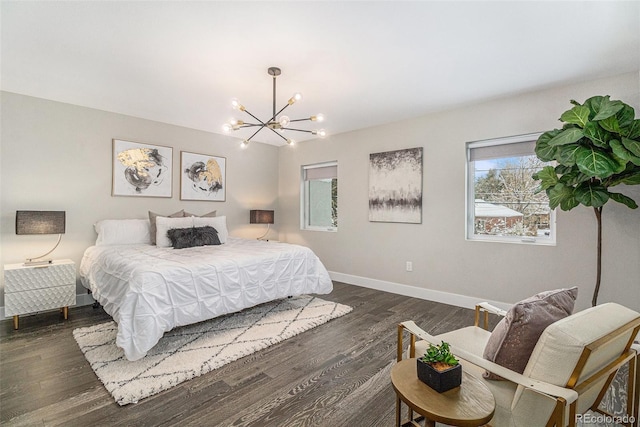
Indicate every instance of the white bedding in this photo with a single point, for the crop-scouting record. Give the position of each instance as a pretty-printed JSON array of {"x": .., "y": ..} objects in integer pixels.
[{"x": 150, "y": 290}]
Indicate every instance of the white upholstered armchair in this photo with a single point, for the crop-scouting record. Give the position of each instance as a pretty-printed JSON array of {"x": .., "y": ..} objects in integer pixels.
[{"x": 573, "y": 363}]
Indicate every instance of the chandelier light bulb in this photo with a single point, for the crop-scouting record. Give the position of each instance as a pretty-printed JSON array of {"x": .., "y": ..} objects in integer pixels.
[
  {"x": 317, "y": 118},
  {"x": 236, "y": 104},
  {"x": 284, "y": 121},
  {"x": 295, "y": 98},
  {"x": 244, "y": 144},
  {"x": 322, "y": 133},
  {"x": 291, "y": 141},
  {"x": 226, "y": 128}
]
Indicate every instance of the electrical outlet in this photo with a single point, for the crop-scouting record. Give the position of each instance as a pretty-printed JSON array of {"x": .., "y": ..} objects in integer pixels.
[{"x": 409, "y": 266}]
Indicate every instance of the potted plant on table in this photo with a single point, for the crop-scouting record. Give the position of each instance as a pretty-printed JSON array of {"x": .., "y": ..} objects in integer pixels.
[{"x": 439, "y": 368}]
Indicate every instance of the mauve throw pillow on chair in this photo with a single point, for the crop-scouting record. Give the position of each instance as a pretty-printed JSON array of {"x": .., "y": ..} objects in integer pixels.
[{"x": 514, "y": 337}]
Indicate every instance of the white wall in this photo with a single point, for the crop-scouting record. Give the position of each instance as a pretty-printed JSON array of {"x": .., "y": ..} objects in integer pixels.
[
  {"x": 444, "y": 263},
  {"x": 57, "y": 156}
]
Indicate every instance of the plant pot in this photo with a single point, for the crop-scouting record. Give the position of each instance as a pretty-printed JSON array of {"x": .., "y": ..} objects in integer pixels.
[{"x": 440, "y": 381}]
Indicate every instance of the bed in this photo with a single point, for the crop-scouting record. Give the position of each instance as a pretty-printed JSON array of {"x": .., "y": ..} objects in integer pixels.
[{"x": 150, "y": 289}]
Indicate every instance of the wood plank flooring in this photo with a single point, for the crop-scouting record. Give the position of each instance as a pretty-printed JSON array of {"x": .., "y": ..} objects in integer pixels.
[{"x": 328, "y": 376}]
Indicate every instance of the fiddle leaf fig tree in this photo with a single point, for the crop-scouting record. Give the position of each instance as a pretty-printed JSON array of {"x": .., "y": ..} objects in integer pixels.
[{"x": 597, "y": 148}]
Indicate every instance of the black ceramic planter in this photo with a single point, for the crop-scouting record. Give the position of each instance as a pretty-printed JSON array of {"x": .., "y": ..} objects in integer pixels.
[{"x": 440, "y": 381}]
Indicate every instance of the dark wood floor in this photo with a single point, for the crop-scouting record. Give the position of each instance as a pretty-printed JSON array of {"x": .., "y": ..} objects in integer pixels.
[{"x": 326, "y": 376}]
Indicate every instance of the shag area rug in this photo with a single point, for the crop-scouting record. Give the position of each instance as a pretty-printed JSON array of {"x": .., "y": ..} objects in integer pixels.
[{"x": 190, "y": 351}]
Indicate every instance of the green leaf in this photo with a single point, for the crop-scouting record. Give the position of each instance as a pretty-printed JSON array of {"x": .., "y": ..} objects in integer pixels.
[
  {"x": 595, "y": 162},
  {"x": 578, "y": 115},
  {"x": 567, "y": 154},
  {"x": 631, "y": 176},
  {"x": 573, "y": 177},
  {"x": 593, "y": 104},
  {"x": 619, "y": 150},
  {"x": 562, "y": 195},
  {"x": 605, "y": 108},
  {"x": 561, "y": 169},
  {"x": 625, "y": 116},
  {"x": 597, "y": 134},
  {"x": 567, "y": 136},
  {"x": 633, "y": 130},
  {"x": 631, "y": 145},
  {"x": 611, "y": 124},
  {"x": 633, "y": 179},
  {"x": 547, "y": 176},
  {"x": 591, "y": 194},
  {"x": 621, "y": 198},
  {"x": 545, "y": 152}
]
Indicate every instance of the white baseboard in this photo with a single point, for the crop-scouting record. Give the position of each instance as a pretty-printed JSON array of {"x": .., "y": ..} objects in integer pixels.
[
  {"x": 81, "y": 299},
  {"x": 366, "y": 282},
  {"x": 414, "y": 291}
]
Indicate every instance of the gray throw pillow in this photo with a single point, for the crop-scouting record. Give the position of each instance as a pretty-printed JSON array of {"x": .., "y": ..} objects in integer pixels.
[
  {"x": 195, "y": 236},
  {"x": 211, "y": 214},
  {"x": 152, "y": 222},
  {"x": 514, "y": 337}
]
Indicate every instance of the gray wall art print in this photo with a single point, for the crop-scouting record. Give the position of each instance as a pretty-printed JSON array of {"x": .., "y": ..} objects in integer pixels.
[
  {"x": 141, "y": 169},
  {"x": 395, "y": 186},
  {"x": 202, "y": 177}
]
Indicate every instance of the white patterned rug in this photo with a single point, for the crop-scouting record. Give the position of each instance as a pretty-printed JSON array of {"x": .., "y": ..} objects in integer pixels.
[{"x": 193, "y": 350}]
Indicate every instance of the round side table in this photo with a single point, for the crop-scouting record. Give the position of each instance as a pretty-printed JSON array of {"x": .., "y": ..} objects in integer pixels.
[{"x": 469, "y": 405}]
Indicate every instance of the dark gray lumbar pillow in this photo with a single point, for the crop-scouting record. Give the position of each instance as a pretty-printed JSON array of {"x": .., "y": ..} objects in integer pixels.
[{"x": 195, "y": 236}]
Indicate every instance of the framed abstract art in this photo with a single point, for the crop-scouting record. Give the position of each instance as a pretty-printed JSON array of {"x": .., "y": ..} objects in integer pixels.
[
  {"x": 202, "y": 177},
  {"x": 395, "y": 186},
  {"x": 141, "y": 169}
]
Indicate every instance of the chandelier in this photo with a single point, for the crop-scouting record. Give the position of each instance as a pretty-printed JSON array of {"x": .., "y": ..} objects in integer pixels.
[{"x": 276, "y": 123}]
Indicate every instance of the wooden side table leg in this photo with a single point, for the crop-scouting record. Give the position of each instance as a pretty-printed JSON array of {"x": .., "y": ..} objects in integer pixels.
[
  {"x": 65, "y": 312},
  {"x": 16, "y": 321},
  {"x": 398, "y": 411}
]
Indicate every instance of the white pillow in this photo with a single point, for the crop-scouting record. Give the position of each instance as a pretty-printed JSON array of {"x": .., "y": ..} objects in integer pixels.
[
  {"x": 164, "y": 224},
  {"x": 122, "y": 232},
  {"x": 218, "y": 222}
]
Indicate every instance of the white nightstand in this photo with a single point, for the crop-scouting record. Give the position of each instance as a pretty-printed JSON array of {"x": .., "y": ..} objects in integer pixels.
[{"x": 29, "y": 289}]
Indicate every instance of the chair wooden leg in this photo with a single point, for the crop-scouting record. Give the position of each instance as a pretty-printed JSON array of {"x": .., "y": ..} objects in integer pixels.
[
  {"x": 636, "y": 389},
  {"x": 399, "y": 350}
]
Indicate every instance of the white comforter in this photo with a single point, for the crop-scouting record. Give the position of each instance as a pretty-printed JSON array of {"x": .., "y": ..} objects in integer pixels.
[{"x": 150, "y": 290}]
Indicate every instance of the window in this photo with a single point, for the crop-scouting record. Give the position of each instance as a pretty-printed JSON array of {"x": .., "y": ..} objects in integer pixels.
[
  {"x": 502, "y": 203},
  {"x": 319, "y": 197}
]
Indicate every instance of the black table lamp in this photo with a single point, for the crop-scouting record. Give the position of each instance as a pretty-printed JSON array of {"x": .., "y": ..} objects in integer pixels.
[
  {"x": 261, "y": 217},
  {"x": 40, "y": 222}
]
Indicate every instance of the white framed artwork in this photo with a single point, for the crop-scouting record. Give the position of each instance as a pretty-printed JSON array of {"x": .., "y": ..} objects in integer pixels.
[
  {"x": 142, "y": 170},
  {"x": 395, "y": 186},
  {"x": 202, "y": 177}
]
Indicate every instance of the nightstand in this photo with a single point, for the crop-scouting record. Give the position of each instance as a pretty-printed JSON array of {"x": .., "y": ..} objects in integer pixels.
[{"x": 30, "y": 289}]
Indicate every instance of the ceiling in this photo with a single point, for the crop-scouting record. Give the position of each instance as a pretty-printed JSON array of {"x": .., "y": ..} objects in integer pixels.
[{"x": 360, "y": 63}]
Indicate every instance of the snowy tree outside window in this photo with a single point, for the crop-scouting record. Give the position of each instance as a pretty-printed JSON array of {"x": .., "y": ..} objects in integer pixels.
[{"x": 503, "y": 203}]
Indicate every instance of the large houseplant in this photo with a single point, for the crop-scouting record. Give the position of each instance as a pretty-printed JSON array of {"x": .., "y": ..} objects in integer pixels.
[{"x": 597, "y": 148}]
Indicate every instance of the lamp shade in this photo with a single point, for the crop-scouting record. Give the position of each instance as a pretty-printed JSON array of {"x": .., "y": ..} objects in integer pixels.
[
  {"x": 260, "y": 217},
  {"x": 40, "y": 222}
]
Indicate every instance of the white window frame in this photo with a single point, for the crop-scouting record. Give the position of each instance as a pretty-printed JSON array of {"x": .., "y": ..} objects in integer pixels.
[
  {"x": 304, "y": 198},
  {"x": 470, "y": 193}
]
